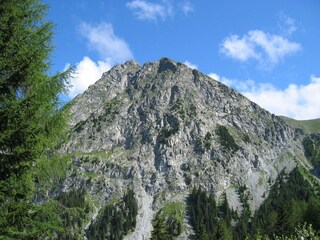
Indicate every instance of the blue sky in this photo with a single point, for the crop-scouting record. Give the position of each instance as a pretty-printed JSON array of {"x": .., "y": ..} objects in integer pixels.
[{"x": 267, "y": 50}]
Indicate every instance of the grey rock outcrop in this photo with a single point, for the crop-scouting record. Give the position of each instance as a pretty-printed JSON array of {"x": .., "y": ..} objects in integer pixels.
[{"x": 154, "y": 128}]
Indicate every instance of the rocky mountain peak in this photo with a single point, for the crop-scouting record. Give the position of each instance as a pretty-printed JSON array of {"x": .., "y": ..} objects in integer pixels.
[{"x": 162, "y": 127}]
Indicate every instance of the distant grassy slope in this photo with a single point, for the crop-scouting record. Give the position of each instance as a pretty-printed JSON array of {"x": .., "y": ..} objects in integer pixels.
[{"x": 311, "y": 126}]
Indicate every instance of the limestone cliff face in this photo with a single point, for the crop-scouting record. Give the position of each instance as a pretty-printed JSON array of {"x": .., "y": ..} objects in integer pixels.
[{"x": 162, "y": 128}]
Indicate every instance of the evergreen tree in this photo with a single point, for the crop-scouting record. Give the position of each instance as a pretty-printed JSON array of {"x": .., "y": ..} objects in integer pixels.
[
  {"x": 312, "y": 214},
  {"x": 159, "y": 231},
  {"x": 115, "y": 220},
  {"x": 223, "y": 232},
  {"x": 203, "y": 213},
  {"x": 30, "y": 120},
  {"x": 289, "y": 204},
  {"x": 202, "y": 233}
]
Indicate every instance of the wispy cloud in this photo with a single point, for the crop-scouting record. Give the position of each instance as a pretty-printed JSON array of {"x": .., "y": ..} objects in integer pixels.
[
  {"x": 296, "y": 101},
  {"x": 145, "y": 10},
  {"x": 191, "y": 65},
  {"x": 102, "y": 39},
  {"x": 187, "y": 7},
  {"x": 287, "y": 24},
  {"x": 160, "y": 10},
  {"x": 111, "y": 49},
  {"x": 235, "y": 83},
  {"x": 264, "y": 47}
]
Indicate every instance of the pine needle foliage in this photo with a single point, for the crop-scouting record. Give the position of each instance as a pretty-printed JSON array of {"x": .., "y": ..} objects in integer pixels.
[{"x": 30, "y": 119}]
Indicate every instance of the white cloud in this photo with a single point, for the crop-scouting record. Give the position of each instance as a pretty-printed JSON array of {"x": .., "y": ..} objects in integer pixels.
[
  {"x": 145, "y": 10},
  {"x": 256, "y": 44},
  {"x": 87, "y": 72},
  {"x": 214, "y": 76},
  {"x": 190, "y": 65},
  {"x": 187, "y": 7},
  {"x": 240, "y": 49},
  {"x": 239, "y": 85},
  {"x": 111, "y": 49},
  {"x": 102, "y": 39},
  {"x": 295, "y": 101},
  {"x": 287, "y": 24},
  {"x": 274, "y": 46}
]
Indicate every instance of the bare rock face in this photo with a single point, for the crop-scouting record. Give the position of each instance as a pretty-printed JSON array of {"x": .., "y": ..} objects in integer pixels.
[{"x": 162, "y": 128}]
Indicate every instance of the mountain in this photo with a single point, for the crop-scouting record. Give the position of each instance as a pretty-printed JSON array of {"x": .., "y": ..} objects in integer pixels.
[
  {"x": 310, "y": 126},
  {"x": 152, "y": 133}
]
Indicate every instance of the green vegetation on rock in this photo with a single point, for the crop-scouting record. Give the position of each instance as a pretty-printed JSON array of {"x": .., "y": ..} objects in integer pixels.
[
  {"x": 168, "y": 222},
  {"x": 310, "y": 126},
  {"x": 168, "y": 131},
  {"x": 208, "y": 141},
  {"x": 207, "y": 219},
  {"x": 291, "y": 203},
  {"x": 292, "y": 209},
  {"x": 226, "y": 139},
  {"x": 74, "y": 212},
  {"x": 115, "y": 219},
  {"x": 311, "y": 144}
]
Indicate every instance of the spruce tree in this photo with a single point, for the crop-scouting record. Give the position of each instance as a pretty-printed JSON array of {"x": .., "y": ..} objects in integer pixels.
[
  {"x": 202, "y": 233},
  {"x": 30, "y": 120},
  {"x": 159, "y": 231}
]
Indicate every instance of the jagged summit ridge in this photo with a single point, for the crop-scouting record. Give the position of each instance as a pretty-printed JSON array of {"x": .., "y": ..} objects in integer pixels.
[
  {"x": 163, "y": 127},
  {"x": 120, "y": 76}
]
